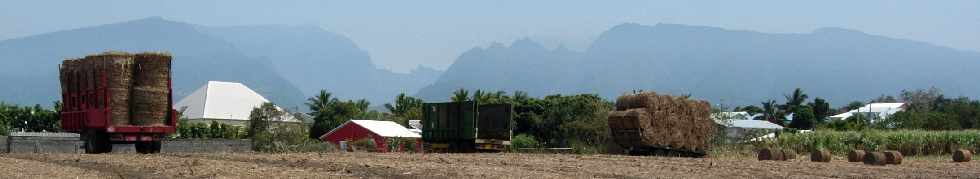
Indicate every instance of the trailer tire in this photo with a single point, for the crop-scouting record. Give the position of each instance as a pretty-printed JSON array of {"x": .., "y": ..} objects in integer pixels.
[
  {"x": 148, "y": 147},
  {"x": 97, "y": 142}
]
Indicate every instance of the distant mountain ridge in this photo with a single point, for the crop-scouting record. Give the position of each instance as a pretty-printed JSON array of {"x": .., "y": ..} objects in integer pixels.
[
  {"x": 270, "y": 59},
  {"x": 313, "y": 59},
  {"x": 723, "y": 66}
]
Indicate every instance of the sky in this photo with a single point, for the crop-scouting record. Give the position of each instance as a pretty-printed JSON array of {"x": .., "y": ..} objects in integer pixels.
[{"x": 401, "y": 35}]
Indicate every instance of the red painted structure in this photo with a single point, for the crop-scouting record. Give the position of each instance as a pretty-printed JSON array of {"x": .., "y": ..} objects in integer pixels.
[
  {"x": 86, "y": 111},
  {"x": 351, "y": 131}
]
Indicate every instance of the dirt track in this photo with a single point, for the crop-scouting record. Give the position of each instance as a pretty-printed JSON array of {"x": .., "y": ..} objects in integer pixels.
[{"x": 370, "y": 165}]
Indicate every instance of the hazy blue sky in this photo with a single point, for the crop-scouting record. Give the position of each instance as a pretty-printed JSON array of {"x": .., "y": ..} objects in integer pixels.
[{"x": 400, "y": 35}]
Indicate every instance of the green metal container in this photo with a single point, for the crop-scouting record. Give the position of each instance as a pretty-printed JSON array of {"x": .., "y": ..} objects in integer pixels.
[{"x": 449, "y": 122}]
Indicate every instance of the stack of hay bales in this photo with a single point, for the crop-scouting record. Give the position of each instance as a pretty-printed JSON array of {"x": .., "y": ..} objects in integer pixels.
[
  {"x": 661, "y": 121},
  {"x": 138, "y": 84}
]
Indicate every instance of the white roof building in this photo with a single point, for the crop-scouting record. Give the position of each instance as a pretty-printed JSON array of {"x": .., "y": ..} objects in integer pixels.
[
  {"x": 726, "y": 118},
  {"x": 381, "y": 128},
  {"x": 874, "y": 110},
  {"x": 754, "y": 124},
  {"x": 223, "y": 101},
  {"x": 415, "y": 126}
]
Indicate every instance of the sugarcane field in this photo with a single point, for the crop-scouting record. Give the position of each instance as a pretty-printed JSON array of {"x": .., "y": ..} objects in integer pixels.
[{"x": 489, "y": 89}]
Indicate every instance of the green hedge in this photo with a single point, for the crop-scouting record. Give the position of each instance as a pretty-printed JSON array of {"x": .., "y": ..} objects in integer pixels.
[{"x": 909, "y": 142}]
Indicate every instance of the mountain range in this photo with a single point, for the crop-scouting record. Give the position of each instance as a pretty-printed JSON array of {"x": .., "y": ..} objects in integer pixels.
[
  {"x": 287, "y": 64},
  {"x": 732, "y": 67},
  {"x": 283, "y": 63}
]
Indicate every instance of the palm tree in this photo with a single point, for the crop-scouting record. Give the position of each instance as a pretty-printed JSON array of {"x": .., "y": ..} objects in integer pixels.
[
  {"x": 520, "y": 96},
  {"x": 403, "y": 103},
  {"x": 321, "y": 102},
  {"x": 362, "y": 105},
  {"x": 771, "y": 113},
  {"x": 460, "y": 95},
  {"x": 795, "y": 99}
]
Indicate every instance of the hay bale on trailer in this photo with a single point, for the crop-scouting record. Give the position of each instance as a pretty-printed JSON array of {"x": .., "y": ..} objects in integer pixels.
[
  {"x": 821, "y": 155},
  {"x": 893, "y": 157},
  {"x": 150, "y": 88},
  {"x": 119, "y": 72},
  {"x": 962, "y": 155},
  {"x": 856, "y": 156},
  {"x": 875, "y": 158}
]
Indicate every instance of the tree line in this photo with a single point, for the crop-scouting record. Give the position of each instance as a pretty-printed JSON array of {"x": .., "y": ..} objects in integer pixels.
[
  {"x": 29, "y": 118},
  {"x": 926, "y": 109},
  {"x": 576, "y": 121}
]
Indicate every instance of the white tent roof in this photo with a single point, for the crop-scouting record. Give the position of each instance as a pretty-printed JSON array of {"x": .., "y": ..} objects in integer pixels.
[
  {"x": 382, "y": 128},
  {"x": 222, "y": 100}
]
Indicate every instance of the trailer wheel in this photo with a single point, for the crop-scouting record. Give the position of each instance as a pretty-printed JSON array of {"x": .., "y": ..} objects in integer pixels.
[
  {"x": 97, "y": 142},
  {"x": 148, "y": 147}
]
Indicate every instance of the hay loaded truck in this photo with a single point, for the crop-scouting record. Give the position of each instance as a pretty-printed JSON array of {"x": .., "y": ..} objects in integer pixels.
[
  {"x": 466, "y": 127},
  {"x": 118, "y": 98},
  {"x": 651, "y": 124}
]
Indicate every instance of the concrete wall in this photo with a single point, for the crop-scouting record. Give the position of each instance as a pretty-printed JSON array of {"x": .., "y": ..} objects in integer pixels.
[
  {"x": 206, "y": 146},
  {"x": 74, "y": 145}
]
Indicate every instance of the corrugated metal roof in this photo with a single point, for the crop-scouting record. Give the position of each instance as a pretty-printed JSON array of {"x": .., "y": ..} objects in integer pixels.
[
  {"x": 223, "y": 100},
  {"x": 754, "y": 124},
  {"x": 880, "y": 109}
]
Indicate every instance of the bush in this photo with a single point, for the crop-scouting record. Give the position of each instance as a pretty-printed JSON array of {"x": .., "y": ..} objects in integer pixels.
[
  {"x": 285, "y": 138},
  {"x": 523, "y": 141},
  {"x": 394, "y": 144}
]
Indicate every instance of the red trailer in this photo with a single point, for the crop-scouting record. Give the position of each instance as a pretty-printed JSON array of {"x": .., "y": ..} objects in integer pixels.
[{"x": 86, "y": 110}]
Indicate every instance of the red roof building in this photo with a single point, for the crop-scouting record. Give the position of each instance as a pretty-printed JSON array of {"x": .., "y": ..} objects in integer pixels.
[{"x": 378, "y": 131}]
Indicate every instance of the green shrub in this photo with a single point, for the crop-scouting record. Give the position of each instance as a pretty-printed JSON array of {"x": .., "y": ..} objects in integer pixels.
[
  {"x": 286, "y": 138},
  {"x": 523, "y": 141}
]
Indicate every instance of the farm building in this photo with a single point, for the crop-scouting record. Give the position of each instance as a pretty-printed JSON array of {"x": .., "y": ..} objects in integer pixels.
[
  {"x": 739, "y": 127},
  {"x": 383, "y": 133},
  {"x": 415, "y": 126},
  {"x": 875, "y": 111},
  {"x": 224, "y": 102}
]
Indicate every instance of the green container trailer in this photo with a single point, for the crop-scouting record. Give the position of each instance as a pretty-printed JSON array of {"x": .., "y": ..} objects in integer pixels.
[{"x": 466, "y": 127}]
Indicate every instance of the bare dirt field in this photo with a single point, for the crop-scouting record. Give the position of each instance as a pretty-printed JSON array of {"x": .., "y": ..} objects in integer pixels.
[{"x": 506, "y": 165}]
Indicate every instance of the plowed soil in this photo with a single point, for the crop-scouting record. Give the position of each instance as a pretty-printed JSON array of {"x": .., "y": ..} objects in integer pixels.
[{"x": 507, "y": 165}]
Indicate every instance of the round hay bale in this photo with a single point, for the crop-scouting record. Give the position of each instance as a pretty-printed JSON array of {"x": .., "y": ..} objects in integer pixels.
[
  {"x": 875, "y": 158},
  {"x": 150, "y": 92},
  {"x": 789, "y": 154},
  {"x": 766, "y": 154},
  {"x": 893, "y": 157},
  {"x": 778, "y": 155},
  {"x": 856, "y": 156},
  {"x": 820, "y": 156},
  {"x": 962, "y": 155}
]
